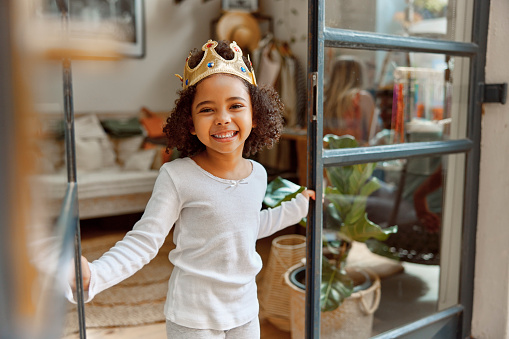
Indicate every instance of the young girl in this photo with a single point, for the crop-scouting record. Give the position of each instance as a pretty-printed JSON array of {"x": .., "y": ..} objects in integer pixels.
[{"x": 213, "y": 197}]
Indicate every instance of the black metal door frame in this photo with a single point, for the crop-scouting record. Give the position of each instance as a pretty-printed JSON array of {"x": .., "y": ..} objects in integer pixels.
[{"x": 454, "y": 321}]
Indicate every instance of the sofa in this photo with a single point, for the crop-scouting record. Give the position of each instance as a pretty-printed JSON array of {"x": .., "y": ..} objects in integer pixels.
[{"x": 117, "y": 160}]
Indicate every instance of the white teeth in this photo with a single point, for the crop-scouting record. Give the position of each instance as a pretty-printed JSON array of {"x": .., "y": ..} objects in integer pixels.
[{"x": 223, "y": 136}]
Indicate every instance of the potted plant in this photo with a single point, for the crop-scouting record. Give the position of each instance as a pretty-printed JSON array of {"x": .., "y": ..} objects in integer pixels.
[{"x": 345, "y": 221}]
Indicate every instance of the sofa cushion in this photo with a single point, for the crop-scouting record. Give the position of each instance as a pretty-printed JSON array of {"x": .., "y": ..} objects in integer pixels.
[
  {"x": 141, "y": 160},
  {"x": 94, "y": 149},
  {"x": 88, "y": 154},
  {"x": 126, "y": 147}
]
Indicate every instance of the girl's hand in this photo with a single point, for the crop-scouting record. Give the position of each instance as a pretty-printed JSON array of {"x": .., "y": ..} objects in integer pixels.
[
  {"x": 85, "y": 274},
  {"x": 309, "y": 194}
]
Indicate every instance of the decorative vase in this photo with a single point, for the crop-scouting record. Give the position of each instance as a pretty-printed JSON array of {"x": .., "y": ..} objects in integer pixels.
[
  {"x": 353, "y": 319},
  {"x": 286, "y": 251}
]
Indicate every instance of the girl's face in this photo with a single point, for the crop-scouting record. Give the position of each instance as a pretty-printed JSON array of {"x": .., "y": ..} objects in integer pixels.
[{"x": 222, "y": 114}]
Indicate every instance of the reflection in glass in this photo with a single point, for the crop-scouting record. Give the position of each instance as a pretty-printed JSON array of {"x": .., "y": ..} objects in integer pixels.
[
  {"x": 48, "y": 243},
  {"x": 422, "y": 18},
  {"x": 49, "y": 240},
  {"x": 383, "y": 98},
  {"x": 410, "y": 195},
  {"x": 348, "y": 108}
]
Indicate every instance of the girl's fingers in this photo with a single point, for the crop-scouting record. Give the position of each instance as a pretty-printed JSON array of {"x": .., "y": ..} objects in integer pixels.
[
  {"x": 309, "y": 194},
  {"x": 312, "y": 194}
]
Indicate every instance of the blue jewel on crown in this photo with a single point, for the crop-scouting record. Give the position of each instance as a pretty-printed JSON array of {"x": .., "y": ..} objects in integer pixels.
[
  {"x": 187, "y": 82},
  {"x": 210, "y": 65},
  {"x": 243, "y": 69}
]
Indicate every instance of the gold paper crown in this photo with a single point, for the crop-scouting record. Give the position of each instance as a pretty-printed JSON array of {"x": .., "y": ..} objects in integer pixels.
[{"x": 213, "y": 63}]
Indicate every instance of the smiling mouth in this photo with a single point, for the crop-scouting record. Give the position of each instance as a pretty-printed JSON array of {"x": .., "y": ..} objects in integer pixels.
[{"x": 225, "y": 135}]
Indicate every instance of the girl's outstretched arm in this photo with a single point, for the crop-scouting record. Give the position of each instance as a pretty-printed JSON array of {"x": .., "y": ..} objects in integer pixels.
[
  {"x": 287, "y": 214},
  {"x": 139, "y": 246}
]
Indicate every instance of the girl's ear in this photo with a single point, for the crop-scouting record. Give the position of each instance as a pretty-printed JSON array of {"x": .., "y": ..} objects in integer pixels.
[
  {"x": 192, "y": 130},
  {"x": 253, "y": 120}
]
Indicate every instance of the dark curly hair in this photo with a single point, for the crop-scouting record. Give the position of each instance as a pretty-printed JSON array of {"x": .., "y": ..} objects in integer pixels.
[{"x": 266, "y": 105}]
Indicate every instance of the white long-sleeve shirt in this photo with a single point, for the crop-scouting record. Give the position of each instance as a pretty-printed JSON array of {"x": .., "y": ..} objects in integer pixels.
[{"x": 217, "y": 222}]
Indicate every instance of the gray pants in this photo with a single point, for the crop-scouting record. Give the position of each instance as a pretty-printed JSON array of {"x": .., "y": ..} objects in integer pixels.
[{"x": 251, "y": 330}]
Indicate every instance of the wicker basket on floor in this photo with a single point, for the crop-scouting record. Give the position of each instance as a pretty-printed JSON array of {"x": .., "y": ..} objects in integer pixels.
[
  {"x": 285, "y": 252},
  {"x": 353, "y": 319}
]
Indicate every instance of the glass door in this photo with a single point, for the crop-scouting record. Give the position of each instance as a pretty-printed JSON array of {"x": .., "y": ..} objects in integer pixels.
[
  {"x": 394, "y": 89},
  {"x": 38, "y": 235}
]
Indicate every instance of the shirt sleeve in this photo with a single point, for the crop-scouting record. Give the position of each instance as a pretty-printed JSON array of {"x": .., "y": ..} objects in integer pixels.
[
  {"x": 287, "y": 214},
  {"x": 141, "y": 244}
]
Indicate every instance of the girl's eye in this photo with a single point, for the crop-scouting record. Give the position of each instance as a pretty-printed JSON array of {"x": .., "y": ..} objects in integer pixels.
[
  {"x": 205, "y": 110},
  {"x": 237, "y": 106}
]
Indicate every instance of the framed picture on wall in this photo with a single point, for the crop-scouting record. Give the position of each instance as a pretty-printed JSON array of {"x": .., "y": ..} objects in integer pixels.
[
  {"x": 239, "y": 5},
  {"x": 130, "y": 17},
  {"x": 120, "y": 22}
]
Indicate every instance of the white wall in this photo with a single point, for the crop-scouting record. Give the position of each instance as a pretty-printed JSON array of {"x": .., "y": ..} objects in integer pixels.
[
  {"x": 172, "y": 30},
  {"x": 491, "y": 292},
  {"x": 290, "y": 19}
]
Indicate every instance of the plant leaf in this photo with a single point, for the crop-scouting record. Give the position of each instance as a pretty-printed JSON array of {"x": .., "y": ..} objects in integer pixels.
[
  {"x": 336, "y": 286},
  {"x": 280, "y": 190},
  {"x": 335, "y": 141},
  {"x": 370, "y": 186},
  {"x": 332, "y": 220},
  {"x": 364, "y": 229},
  {"x": 342, "y": 203},
  {"x": 357, "y": 209},
  {"x": 338, "y": 177}
]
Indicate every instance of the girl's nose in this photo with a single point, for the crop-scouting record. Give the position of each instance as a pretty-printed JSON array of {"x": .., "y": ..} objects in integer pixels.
[{"x": 223, "y": 117}]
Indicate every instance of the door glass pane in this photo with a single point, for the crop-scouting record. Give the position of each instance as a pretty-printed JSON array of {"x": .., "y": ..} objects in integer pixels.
[
  {"x": 382, "y": 97},
  {"x": 437, "y": 19},
  {"x": 48, "y": 246},
  {"x": 416, "y": 196},
  {"x": 51, "y": 180}
]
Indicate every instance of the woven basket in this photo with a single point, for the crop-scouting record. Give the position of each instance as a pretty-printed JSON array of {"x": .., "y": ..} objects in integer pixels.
[
  {"x": 286, "y": 251},
  {"x": 353, "y": 319}
]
